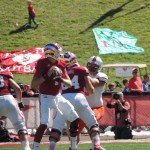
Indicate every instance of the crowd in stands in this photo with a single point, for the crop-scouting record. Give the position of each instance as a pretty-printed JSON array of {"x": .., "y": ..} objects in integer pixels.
[{"x": 133, "y": 84}]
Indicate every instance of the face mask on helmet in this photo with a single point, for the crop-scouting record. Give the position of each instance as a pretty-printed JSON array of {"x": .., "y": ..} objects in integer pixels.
[
  {"x": 94, "y": 64},
  {"x": 52, "y": 50},
  {"x": 70, "y": 59}
]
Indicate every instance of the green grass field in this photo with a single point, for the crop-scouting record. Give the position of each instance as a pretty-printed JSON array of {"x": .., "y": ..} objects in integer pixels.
[
  {"x": 70, "y": 23},
  {"x": 127, "y": 146}
]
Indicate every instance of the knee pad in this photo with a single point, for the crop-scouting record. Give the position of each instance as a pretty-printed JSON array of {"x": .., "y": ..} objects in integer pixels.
[
  {"x": 94, "y": 129},
  {"x": 74, "y": 125},
  {"x": 55, "y": 135},
  {"x": 19, "y": 125},
  {"x": 22, "y": 132}
]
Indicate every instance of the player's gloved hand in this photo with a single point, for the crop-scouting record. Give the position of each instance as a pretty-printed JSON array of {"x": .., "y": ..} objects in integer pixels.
[
  {"x": 57, "y": 73},
  {"x": 57, "y": 77},
  {"x": 21, "y": 105}
]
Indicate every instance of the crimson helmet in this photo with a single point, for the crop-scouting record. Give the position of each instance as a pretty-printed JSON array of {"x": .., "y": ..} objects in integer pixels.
[
  {"x": 70, "y": 59},
  {"x": 94, "y": 64},
  {"x": 52, "y": 50}
]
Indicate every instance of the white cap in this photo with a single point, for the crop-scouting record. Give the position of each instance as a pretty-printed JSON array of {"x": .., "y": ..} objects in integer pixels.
[{"x": 134, "y": 69}]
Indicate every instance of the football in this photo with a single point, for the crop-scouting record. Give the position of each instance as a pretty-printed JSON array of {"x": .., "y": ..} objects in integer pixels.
[{"x": 56, "y": 71}]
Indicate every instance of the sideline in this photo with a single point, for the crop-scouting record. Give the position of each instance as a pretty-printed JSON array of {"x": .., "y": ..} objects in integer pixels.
[{"x": 6, "y": 144}]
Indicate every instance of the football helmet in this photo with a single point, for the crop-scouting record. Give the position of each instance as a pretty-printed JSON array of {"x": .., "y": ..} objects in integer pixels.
[
  {"x": 52, "y": 50},
  {"x": 70, "y": 59},
  {"x": 94, "y": 64}
]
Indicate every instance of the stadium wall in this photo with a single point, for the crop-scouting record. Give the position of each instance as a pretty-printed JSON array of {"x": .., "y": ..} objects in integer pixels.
[{"x": 140, "y": 111}]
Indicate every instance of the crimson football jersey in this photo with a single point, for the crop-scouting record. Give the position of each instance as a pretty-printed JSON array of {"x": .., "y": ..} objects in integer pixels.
[
  {"x": 50, "y": 86},
  {"x": 76, "y": 74},
  {"x": 4, "y": 83}
]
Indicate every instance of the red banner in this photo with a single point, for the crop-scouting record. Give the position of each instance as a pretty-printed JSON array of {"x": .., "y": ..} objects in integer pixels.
[{"x": 21, "y": 61}]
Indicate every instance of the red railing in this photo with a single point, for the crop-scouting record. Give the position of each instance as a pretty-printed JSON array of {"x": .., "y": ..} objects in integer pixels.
[{"x": 140, "y": 109}]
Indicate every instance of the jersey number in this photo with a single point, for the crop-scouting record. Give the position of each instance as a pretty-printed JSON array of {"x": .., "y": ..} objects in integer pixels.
[{"x": 75, "y": 83}]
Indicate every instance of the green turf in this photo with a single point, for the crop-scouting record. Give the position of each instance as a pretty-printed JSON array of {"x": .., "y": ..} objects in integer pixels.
[
  {"x": 127, "y": 146},
  {"x": 70, "y": 23}
]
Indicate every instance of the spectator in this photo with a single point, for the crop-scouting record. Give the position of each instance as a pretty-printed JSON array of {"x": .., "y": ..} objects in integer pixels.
[
  {"x": 98, "y": 80},
  {"x": 50, "y": 74},
  {"x": 10, "y": 108},
  {"x": 145, "y": 83},
  {"x": 125, "y": 83},
  {"x": 80, "y": 79},
  {"x": 32, "y": 14},
  {"x": 135, "y": 83},
  {"x": 123, "y": 128},
  {"x": 28, "y": 91},
  {"x": 111, "y": 87}
]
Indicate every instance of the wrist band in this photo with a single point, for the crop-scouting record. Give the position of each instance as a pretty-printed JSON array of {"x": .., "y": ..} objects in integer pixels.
[
  {"x": 45, "y": 76},
  {"x": 21, "y": 105}
]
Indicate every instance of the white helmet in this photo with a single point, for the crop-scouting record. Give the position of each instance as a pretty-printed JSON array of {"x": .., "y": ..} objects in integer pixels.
[
  {"x": 94, "y": 64},
  {"x": 52, "y": 50},
  {"x": 70, "y": 59}
]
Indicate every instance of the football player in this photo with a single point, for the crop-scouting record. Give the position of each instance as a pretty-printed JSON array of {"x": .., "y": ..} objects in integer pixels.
[
  {"x": 79, "y": 76},
  {"x": 50, "y": 73},
  {"x": 98, "y": 80},
  {"x": 10, "y": 108}
]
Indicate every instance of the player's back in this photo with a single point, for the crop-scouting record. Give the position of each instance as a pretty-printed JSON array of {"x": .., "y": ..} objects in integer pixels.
[{"x": 77, "y": 75}]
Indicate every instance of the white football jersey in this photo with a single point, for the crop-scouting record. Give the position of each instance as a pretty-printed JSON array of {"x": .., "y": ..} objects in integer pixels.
[{"x": 95, "y": 99}]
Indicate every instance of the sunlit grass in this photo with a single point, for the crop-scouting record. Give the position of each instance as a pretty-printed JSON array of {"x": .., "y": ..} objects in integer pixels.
[{"x": 70, "y": 24}]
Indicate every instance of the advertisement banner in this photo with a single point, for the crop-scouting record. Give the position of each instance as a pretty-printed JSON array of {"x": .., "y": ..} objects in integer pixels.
[{"x": 115, "y": 42}]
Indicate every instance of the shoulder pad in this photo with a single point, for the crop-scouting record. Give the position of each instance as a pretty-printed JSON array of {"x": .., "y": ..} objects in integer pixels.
[
  {"x": 102, "y": 77},
  {"x": 6, "y": 73},
  {"x": 62, "y": 63}
]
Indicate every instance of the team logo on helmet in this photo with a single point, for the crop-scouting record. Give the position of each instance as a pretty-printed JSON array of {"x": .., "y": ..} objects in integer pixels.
[
  {"x": 94, "y": 64},
  {"x": 53, "y": 50}
]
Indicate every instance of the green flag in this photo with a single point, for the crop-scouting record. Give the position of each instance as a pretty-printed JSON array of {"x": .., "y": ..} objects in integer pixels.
[{"x": 115, "y": 42}]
